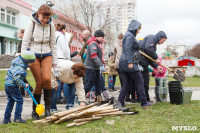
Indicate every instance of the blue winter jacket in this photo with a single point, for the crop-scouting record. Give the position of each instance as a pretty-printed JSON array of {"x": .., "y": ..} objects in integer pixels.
[
  {"x": 16, "y": 73},
  {"x": 148, "y": 46},
  {"x": 130, "y": 49}
]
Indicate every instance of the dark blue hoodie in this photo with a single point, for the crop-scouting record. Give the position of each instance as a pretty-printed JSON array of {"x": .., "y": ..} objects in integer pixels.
[{"x": 148, "y": 46}]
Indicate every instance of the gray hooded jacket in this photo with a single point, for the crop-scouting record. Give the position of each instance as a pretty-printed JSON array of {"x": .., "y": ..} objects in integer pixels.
[{"x": 130, "y": 49}]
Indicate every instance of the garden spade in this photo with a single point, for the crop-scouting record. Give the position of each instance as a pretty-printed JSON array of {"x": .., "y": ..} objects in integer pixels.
[
  {"x": 178, "y": 75},
  {"x": 39, "y": 107}
]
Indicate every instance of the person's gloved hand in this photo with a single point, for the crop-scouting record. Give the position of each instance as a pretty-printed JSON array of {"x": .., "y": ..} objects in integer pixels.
[
  {"x": 56, "y": 72},
  {"x": 140, "y": 68},
  {"x": 102, "y": 69}
]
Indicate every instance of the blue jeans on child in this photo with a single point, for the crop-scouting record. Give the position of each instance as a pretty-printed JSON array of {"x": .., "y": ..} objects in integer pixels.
[
  {"x": 112, "y": 80},
  {"x": 13, "y": 95}
]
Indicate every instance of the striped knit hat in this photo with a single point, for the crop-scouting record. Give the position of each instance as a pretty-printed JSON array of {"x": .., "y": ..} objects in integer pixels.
[{"x": 28, "y": 56}]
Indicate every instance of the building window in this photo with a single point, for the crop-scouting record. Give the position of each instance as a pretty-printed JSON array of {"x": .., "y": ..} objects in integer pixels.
[
  {"x": 7, "y": 16},
  {"x": 13, "y": 18},
  {"x": 3, "y": 15}
]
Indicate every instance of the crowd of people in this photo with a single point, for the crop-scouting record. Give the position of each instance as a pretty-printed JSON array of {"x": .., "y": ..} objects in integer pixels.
[{"x": 45, "y": 50}]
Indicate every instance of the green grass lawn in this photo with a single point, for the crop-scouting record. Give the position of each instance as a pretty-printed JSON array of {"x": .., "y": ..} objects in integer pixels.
[
  {"x": 3, "y": 75},
  {"x": 189, "y": 82},
  {"x": 158, "y": 118}
]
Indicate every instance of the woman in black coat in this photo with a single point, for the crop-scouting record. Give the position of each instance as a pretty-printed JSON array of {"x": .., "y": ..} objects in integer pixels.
[{"x": 128, "y": 64}]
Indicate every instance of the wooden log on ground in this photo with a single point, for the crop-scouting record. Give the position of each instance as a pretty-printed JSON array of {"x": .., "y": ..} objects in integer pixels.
[
  {"x": 40, "y": 121},
  {"x": 111, "y": 113},
  {"x": 83, "y": 113},
  {"x": 71, "y": 125},
  {"x": 108, "y": 111},
  {"x": 64, "y": 113},
  {"x": 67, "y": 117},
  {"x": 104, "y": 105},
  {"x": 52, "y": 118},
  {"x": 94, "y": 110},
  {"x": 76, "y": 124},
  {"x": 86, "y": 119}
]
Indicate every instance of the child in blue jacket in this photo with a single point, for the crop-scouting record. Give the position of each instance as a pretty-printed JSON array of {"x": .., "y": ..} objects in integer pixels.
[{"x": 15, "y": 79}]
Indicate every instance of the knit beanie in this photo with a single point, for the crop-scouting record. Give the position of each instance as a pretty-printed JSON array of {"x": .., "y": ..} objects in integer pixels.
[
  {"x": 98, "y": 33},
  {"x": 28, "y": 56}
]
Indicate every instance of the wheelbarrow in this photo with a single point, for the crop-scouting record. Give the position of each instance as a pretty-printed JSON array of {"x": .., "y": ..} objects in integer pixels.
[
  {"x": 178, "y": 75},
  {"x": 39, "y": 107}
]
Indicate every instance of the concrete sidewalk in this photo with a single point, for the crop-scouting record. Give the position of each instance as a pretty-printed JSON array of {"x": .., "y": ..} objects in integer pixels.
[{"x": 27, "y": 106}]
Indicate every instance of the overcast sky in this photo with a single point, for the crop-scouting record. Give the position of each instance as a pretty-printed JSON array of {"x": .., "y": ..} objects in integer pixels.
[{"x": 180, "y": 19}]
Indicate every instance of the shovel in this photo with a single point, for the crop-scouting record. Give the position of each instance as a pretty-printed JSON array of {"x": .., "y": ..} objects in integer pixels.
[
  {"x": 178, "y": 75},
  {"x": 39, "y": 107}
]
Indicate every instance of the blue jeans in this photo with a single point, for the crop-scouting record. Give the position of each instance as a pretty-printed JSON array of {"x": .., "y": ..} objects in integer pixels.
[
  {"x": 112, "y": 80},
  {"x": 53, "y": 106},
  {"x": 13, "y": 95},
  {"x": 60, "y": 87},
  {"x": 70, "y": 94}
]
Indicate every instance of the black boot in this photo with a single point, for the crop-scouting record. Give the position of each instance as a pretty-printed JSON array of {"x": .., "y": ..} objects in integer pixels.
[
  {"x": 127, "y": 98},
  {"x": 34, "y": 115},
  {"x": 133, "y": 100},
  {"x": 47, "y": 100}
]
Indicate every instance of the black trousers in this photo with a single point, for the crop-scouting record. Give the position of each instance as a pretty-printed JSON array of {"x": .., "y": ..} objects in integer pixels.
[
  {"x": 145, "y": 75},
  {"x": 120, "y": 77},
  {"x": 94, "y": 79},
  {"x": 128, "y": 77},
  {"x": 131, "y": 91}
]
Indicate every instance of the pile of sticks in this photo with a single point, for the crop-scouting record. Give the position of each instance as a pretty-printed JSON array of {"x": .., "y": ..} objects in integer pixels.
[{"x": 82, "y": 115}]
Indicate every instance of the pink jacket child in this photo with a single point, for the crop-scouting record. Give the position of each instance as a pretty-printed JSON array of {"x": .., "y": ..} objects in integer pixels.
[{"x": 157, "y": 73}]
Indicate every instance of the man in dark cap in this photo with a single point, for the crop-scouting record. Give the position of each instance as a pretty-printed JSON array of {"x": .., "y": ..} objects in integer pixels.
[
  {"x": 148, "y": 46},
  {"x": 94, "y": 64}
]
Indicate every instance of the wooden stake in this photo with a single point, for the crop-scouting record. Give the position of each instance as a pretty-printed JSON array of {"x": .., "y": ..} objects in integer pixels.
[
  {"x": 77, "y": 124},
  {"x": 64, "y": 113},
  {"x": 86, "y": 119},
  {"x": 112, "y": 113}
]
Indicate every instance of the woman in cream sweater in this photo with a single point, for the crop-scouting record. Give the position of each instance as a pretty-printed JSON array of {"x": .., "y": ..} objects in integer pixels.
[
  {"x": 70, "y": 73},
  {"x": 40, "y": 37}
]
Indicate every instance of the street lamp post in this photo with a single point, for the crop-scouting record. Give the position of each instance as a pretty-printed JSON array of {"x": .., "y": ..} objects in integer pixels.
[{"x": 49, "y": 3}]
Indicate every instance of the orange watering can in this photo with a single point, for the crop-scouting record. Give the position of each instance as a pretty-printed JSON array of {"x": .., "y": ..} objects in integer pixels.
[{"x": 39, "y": 107}]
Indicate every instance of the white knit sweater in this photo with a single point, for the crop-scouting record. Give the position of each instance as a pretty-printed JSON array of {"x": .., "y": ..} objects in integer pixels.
[{"x": 67, "y": 77}]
